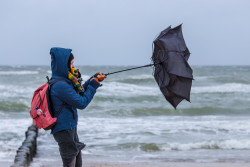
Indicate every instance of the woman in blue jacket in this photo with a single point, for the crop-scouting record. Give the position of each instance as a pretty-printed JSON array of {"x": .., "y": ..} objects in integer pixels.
[{"x": 65, "y": 101}]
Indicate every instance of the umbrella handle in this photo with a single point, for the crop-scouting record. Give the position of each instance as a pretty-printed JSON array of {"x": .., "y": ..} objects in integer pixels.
[{"x": 131, "y": 69}]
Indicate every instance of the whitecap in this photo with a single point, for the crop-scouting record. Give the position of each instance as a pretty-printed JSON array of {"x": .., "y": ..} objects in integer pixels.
[
  {"x": 142, "y": 76},
  {"x": 224, "y": 88},
  {"x": 213, "y": 144},
  {"x": 85, "y": 77},
  {"x": 128, "y": 90},
  {"x": 202, "y": 78},
  {"x": 16, "y": 91},
  {"x": 18, "y": 72},
  {"x": 16, "y": 129}
]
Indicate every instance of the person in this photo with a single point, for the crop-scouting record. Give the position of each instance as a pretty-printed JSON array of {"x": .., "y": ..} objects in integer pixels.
[{"x": 66, "y": 98}]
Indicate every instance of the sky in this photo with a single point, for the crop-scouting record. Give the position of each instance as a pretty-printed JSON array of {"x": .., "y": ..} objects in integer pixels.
[{"x": 121, "y": 32}]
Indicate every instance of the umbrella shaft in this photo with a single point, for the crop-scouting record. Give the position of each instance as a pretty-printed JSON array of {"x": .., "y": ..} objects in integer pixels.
[{"x": 130, "y": 69}]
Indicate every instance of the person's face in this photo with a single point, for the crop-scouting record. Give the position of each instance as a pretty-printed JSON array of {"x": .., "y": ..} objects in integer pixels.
[{"x": 72, "y": 63}]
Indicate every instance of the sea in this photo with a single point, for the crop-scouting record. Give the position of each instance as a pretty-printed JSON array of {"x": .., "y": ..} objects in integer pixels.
[{"x": 129, "y": 120}]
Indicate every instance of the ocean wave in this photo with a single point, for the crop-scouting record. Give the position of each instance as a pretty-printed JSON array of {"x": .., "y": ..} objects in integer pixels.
[
  {"x": 212, "y": 110},
  {"x": 142, "y": 76},
  {"x": 136, "y": 81},
  {"x": 146, "y": 147},
  {"x": 224, "y": 88},
  {"x": 18, "y": 72},
  {"x": 13, "y": 106},
  {"x": 135, "y": 78},
  {"x": 128, "y": 90},
  {"x": 16, "y": 91},
  {"x": 231, "y": 144},
  {"x": 85, "y": 78},
  {"x": 138, "y": 112},
  {"x": 214, "y": 144},
  {"x": 202, "y": 78},
  {"x": 12, "y": 132}
]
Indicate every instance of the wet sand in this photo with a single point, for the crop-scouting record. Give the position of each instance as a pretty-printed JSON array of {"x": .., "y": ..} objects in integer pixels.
[
  {"x": 182, "y": 164},
  {"x": 170, "y": 164}
]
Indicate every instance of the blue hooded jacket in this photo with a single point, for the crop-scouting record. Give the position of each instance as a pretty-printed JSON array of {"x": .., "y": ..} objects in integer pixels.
[{"x": 62, "y": 92}]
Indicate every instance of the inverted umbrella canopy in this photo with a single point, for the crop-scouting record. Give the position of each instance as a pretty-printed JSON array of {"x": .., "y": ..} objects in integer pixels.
[{"x": 171, "y": 69}]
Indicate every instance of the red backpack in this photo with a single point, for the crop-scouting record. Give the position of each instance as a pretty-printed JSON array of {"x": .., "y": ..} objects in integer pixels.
[{"x": 41, "y": 106}]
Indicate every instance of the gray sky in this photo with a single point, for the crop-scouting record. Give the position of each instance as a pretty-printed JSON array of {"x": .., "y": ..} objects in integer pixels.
[{"x": 120, "y": 32}]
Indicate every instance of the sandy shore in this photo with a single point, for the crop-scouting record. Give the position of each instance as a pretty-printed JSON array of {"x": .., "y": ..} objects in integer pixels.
[
  {"x": 171, "y": 164},
  {"x": 191, "y": 164}
]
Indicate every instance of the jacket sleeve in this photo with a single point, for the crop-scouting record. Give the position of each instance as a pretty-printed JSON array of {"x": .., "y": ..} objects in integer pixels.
[
  {"x": 85, "y": 85},
  {"x": 67, "y": 94}
]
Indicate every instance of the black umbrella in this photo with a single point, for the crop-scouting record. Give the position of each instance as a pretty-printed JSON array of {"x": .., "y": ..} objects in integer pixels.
[{"x": 171, "y": 70}]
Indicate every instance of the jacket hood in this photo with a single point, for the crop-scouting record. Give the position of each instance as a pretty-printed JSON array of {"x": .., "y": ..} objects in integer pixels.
[{"x": 59, "y": 62}]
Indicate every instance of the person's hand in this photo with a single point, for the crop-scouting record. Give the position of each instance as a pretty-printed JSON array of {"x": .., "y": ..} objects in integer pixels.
[{"x": 101, "y": 76}]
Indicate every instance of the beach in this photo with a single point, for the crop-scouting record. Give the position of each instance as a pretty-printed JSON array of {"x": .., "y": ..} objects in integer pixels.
[
  {"x": 171, "y": 165},
  {"x": 175, "y": 164},
  {"x": 129, "y": 123}
]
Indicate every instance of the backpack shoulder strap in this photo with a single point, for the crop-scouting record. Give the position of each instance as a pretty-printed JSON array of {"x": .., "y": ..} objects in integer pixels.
[
  {"x": 51, "y": 83},
  {"x": 56, "y": 80},
  {"x": 60, "y": 109}
]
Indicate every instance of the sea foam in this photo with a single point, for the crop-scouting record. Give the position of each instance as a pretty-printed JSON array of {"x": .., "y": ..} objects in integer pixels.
[
  {"x": 18, "y": 72},
  {"x": 223, "y": 88},
  {"x": 213, "y": 144},
  {"x": 128, "y": 90}
]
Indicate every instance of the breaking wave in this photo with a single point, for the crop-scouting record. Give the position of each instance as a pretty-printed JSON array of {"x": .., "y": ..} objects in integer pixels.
[
  {"x": 13, "y": 106},
  {"x": 214, "y": 144},
  {"x": 224, "y": 88},
  {"x": 232, "y": 144},
  {"x": 127, "y": 90},
  {"x": 18, "y": 72},
  {"x": 16, "y": 91}
]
